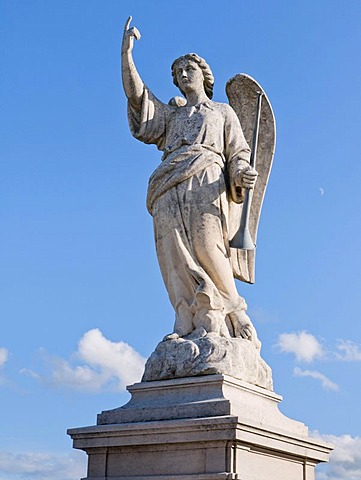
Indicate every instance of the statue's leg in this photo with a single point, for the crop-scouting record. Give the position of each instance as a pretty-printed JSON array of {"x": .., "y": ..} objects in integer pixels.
[
  {"x": 206, "y": 217},
  {"x": 173, "y": 257}
]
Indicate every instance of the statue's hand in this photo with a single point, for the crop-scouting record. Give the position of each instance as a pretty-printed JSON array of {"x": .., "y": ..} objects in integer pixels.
[
  {"x": 249, "y": 178},
  {"x": 240, "y": 180},
  {"x": 129, "y": 35}
]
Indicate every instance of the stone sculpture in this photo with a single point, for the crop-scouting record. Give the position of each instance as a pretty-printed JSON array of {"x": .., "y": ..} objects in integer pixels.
[{"x": 195, "y": 198}]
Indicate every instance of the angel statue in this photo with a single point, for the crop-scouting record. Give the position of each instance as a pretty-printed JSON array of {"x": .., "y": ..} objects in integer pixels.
[{"x": 195, "y": 197}]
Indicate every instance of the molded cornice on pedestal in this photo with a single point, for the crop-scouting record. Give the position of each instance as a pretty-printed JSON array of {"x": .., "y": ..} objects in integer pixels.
[{"x": 236, "y": 429}]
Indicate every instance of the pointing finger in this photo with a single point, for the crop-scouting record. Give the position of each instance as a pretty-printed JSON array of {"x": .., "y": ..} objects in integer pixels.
[{"x": 127, "y": 23}]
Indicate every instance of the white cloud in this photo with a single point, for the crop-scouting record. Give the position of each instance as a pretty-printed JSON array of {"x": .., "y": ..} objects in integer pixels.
[
  {"x": 327, "y": 384},
  {"x": 117, "y": 358},
  {"x": 307, "y": 348},
  {"x": 303, "y": 345},
  {"x": 350, "y": 351},
  {"x": 345, "y": 460},
  {"x": 104, "y": 365},
  {"x": 42, "y": 466},
  {"x": 4, "y": 354}
]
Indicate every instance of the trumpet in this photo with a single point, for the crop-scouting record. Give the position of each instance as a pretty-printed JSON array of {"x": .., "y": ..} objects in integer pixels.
[{"x": 242, "y": 239}]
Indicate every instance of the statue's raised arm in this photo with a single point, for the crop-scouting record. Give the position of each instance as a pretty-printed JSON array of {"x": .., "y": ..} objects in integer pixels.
[{"x": 132, "y": 83}]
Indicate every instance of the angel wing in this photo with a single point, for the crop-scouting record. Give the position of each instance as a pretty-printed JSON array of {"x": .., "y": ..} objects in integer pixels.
[{"x": 242, "y": 92}]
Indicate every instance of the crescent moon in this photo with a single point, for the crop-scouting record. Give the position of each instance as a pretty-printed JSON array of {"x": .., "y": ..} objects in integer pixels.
[{"x": 321, "y": 191}]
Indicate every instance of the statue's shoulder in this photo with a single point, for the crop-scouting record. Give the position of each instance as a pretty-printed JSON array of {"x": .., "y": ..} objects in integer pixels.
[
  {"x": 176, "y": 102},
  {"x": 224, "y": 108}
]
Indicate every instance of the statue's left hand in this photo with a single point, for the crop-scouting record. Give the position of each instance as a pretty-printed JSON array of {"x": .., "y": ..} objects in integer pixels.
[
  {"x": 249, "y": 178},
  {"x": 241, "y": 180},
  {"x": 244, "y": 179}
]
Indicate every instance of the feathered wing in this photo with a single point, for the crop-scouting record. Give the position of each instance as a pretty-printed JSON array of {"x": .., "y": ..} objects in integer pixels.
[{"x": 242, "y": 92}]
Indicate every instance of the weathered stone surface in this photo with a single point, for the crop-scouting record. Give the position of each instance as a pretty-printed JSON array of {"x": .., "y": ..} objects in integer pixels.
[
  {"x": 246, "y": 437},
  {"x": 209, "y": 354},
  {"x": 202, "y": 397}
]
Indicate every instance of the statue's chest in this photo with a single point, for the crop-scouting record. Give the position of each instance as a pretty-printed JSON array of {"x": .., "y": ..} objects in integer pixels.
[{"x": 192, "y": 122}]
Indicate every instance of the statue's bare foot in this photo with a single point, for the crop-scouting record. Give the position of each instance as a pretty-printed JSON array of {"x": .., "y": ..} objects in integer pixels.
[
  {"x": 243, "y": 327},
  {"x": 198, "y": 332},
  {"x": 244, "y": 330},
  {"x": 171, "y": 336}
]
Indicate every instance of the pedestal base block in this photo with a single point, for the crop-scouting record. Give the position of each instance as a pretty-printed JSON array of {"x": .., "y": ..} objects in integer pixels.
[{"x": 208, "y": 428}]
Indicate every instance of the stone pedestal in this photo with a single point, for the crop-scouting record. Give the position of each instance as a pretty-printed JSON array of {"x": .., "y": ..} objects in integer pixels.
[{"x": 199, "y": 428}]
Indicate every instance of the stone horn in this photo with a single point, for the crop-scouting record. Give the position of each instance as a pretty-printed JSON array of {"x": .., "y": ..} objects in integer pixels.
[{"x": 242, "y": 238}]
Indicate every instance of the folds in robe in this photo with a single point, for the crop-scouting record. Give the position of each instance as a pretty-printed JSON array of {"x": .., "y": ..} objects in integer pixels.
[{"x": 194, "y": 139}]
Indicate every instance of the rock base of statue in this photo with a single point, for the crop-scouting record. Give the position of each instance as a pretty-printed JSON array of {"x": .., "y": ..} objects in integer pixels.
[
  {"x": 199, "y": 428},
  {"x": 208, "y": 354}
]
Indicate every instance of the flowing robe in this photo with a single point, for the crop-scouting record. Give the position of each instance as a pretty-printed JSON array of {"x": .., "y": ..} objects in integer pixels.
[{"x": 190, "y": 205}]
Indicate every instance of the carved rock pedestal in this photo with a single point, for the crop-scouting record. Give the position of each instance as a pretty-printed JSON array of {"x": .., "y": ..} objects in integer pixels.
[
  {"x": 207, "y": 354},
  {"x": 199, "y": 428}
]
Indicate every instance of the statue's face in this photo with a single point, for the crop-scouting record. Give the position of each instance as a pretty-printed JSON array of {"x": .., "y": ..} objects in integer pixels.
[{"x": 189, "y": 76}]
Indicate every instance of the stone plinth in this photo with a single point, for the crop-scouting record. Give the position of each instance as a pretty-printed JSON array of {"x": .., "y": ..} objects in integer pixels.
[
  {"x": 205, "y": 354},
  {"x": 199, "y": 428}
]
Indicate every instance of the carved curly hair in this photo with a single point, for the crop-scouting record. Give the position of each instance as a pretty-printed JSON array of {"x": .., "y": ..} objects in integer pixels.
[{"x": 207, "y": 72}]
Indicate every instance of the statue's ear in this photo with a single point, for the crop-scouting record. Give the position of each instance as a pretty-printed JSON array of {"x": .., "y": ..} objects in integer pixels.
[{"x": 177, "y": 102}]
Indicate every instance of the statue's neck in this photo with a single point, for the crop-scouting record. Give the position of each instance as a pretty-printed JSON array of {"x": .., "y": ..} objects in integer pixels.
[{"x": 195, "y": 98}]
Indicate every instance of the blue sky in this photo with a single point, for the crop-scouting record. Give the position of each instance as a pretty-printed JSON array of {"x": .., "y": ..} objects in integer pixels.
[{"x": 81, "y": 298}]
